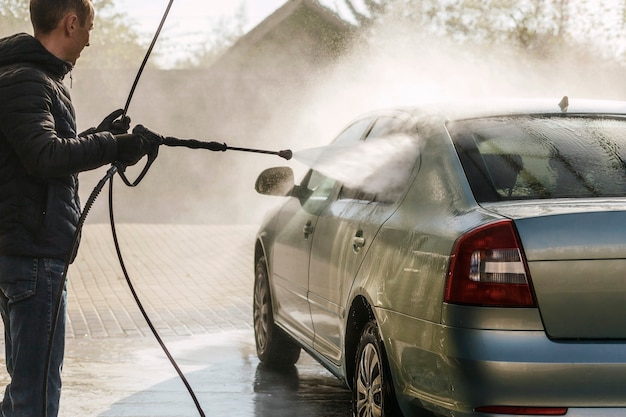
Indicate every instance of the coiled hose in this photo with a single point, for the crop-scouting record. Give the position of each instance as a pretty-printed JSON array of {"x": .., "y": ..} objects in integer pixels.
[{"x": 74, "y": 247}]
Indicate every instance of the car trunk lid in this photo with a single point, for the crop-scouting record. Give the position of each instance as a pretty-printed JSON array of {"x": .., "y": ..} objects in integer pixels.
[{"x": 576, "y": 254}]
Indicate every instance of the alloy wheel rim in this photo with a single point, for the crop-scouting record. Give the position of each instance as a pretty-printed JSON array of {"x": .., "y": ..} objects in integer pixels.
[
  {"x": 369, "y": 388},
  {"x": 261, "y": 313}
]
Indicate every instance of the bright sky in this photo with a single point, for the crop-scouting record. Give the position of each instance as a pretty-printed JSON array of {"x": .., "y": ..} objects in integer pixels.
[
  {"x": 194, "y": 14},
  {"x": 189, "y": 20}
]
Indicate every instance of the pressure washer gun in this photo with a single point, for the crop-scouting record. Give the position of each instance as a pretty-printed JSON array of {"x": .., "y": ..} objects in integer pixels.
[{"x": 187, "y": 143}]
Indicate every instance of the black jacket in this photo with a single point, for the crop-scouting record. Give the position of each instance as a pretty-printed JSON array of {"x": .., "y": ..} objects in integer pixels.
[{"x": 40, "y": 153}]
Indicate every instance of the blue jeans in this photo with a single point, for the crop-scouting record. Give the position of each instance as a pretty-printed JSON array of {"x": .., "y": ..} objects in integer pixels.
[{"x": 28, "y": 294}]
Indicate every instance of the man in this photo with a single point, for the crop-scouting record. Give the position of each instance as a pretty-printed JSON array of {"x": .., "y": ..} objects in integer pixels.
[{"x": 40, "y": 156}]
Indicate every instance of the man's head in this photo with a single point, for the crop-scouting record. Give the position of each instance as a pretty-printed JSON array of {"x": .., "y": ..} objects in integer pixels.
[{"x": 62, "y": 26}]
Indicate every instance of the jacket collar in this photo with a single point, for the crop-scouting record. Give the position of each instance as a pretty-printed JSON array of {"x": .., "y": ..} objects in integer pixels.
[{"x": 23, "y": 48}]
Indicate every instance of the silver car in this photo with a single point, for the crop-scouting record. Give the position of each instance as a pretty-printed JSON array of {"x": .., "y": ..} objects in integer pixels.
[{"x": 466, "y": 259}]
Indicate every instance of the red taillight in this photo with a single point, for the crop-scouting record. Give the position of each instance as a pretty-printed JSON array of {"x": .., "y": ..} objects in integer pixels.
[
  {"x": 488, "y": 269},
  {"x": 524, "y": 411}
]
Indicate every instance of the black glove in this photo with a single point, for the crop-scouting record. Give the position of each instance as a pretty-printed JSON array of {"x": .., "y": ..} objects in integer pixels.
[
  {"x": 132, "y": 147},
  {"x": 112, "y": 123},
  {"x": 154, "y": 138}
]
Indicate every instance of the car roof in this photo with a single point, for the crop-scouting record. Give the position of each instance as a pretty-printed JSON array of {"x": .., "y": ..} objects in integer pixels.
[{"x": 470, "y": 109}]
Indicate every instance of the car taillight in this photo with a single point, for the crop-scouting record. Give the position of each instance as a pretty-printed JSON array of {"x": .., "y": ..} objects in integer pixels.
[{"x": 488, "y": 269}]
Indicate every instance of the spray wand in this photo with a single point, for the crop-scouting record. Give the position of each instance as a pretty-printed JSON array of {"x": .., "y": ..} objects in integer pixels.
[
  {"x": 187, "y": 143},
  {"x": 217, "y": 146}
]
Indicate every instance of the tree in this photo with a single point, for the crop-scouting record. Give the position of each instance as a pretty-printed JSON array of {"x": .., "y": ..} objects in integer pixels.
[
  {"x": 365, "y": 12},
  {"x": 600, "y": 24},
  {"x": 536, "y": 26},
  {"x": 499, "y": 21},
  {"x": 114, "y": 41},
  {"x": 14, "y": 17}
]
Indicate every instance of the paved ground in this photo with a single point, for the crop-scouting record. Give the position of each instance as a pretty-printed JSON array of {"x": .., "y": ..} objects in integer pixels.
[
  {"x": 193, "y": 280},
  {"x": 196, "y": 285}
]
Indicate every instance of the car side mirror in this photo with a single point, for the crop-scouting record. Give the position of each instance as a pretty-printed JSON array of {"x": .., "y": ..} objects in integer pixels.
[{"x": 278, "y": 181}]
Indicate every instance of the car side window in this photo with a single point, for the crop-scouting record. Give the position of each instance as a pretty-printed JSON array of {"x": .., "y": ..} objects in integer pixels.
[
  {"x": 354, "y": 133},
  {"x": 391, "y": 125},
  {"x": 320, "y": 189},
  {"x": 388, "y": 157},
  {"x": 320, "y": 183}
]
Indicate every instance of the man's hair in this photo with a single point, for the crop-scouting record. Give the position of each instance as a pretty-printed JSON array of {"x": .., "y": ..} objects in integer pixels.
[{"x": 45, "y": 15}]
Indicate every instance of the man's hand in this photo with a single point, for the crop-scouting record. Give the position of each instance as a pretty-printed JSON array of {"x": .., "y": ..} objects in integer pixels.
[
  {"x": 132, "y": 147},
  {"x": 154, "y": 138},
  {"x": 114, "y": 124}
]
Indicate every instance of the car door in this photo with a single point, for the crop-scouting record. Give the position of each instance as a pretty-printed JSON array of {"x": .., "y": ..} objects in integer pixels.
[
  {"x": 345, "y": 230},
  {"x": 296, "y": 222},
  {"x": 296, "y": 226}
]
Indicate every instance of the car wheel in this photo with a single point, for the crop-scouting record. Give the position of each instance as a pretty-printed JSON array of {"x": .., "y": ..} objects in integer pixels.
[
  {"x": 373, "y": 394},
  {"x": 273, "y": 347}
]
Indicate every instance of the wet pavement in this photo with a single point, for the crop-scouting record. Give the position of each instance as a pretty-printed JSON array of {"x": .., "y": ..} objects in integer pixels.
[{"x": 195, "y": 283}]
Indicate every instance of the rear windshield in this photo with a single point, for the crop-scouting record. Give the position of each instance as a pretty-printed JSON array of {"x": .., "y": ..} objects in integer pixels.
[{"x": 522, "y": 158}]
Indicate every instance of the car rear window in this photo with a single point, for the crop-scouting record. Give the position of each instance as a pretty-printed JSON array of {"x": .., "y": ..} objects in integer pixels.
[{"x": 522, "y": 158}]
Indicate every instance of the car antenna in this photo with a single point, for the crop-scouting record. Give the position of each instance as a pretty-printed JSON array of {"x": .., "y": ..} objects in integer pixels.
[{"x": 564, "y": 104}]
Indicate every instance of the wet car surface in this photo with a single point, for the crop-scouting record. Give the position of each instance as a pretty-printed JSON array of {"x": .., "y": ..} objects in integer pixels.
[{"x": 477, "y": 272}]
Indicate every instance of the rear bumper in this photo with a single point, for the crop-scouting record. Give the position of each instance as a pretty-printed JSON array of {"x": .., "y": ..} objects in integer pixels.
[{"x": 453, "y": 370}]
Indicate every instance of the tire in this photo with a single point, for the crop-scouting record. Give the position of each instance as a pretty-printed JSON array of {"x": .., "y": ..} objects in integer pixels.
[
  {"x": 373, "y": 393},
  {"x": 273, "y": 347}
]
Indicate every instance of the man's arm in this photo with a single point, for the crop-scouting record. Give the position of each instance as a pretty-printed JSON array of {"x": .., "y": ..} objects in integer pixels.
[{"x": 27, "y": 123}]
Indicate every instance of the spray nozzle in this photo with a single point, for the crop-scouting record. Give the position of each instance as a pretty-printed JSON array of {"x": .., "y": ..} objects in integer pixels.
[{"x": 287, "y": 154}]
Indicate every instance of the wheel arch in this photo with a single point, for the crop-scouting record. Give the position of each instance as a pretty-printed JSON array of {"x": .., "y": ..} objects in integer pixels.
[
  {"x": 261, "y": 250},
  {"x": 361, "y": 312}
]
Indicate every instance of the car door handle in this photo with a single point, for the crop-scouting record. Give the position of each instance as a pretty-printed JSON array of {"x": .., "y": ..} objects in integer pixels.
[
  {"x": 307, "y": 229},
  {"x": 358, "y": 241}
]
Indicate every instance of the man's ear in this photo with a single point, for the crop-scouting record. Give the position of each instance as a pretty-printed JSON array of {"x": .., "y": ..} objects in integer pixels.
[{"x": 70, "y": 23}]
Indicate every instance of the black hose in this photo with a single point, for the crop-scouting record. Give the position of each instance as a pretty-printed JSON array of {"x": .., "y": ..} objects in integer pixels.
[
  {"x": 145, "y": 59},
  {"x": 74, "y": 247},
  {"x": 140, "y": 305}
]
